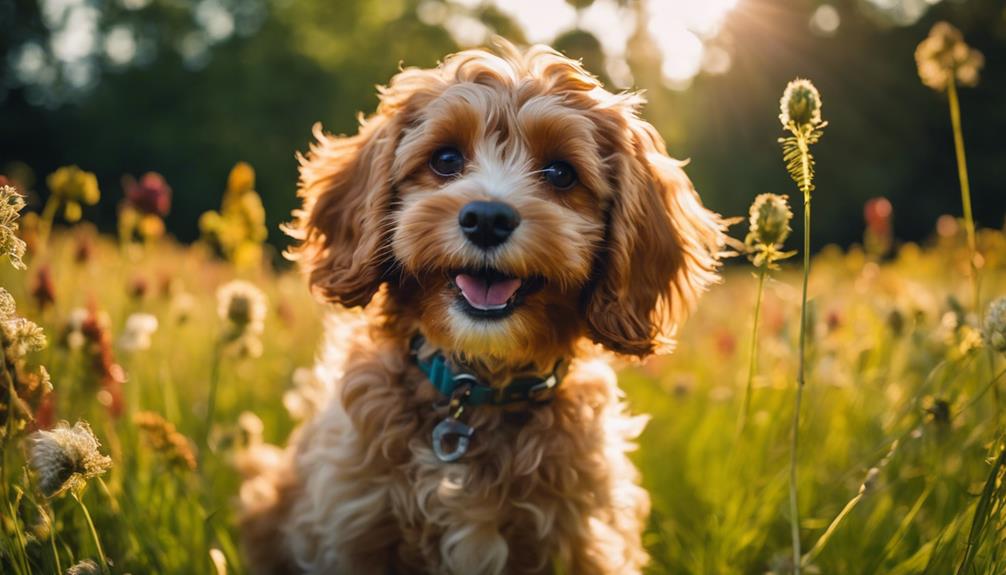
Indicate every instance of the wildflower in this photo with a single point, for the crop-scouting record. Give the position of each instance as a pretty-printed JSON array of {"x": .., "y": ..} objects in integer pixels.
[
  {"x": 20, "y": 337},
  {"x": 243, "y": 307},
  {"x": 85, "y": 567},
  {"x": 769, "y": 219},
  {"x": 800, "y": 104},
  {"x": 44, "y": 291},
  {"x": 72, "y": 187},
  {"x": 73, "y": 335},
  {"x": 251, "y": 428},
  {"x": 104, "y": 369},
  {"x": 944, "y": 55},
  {"x": 238, "y": 229},
  {"x": 151, "y": 195},
  {"x": 182, "y": 305},
  {"x": 994, "y": 332},
  {"x": 138, "y": 288},
  {"x": 66, "y": 457},
  {"x": 877, "y": 213},
  {"x": 139, "y": 328},
  {"x": 7, "y": 305},
  {"x": 162, "y": 436},
  {"x": 11, "y": 204}
]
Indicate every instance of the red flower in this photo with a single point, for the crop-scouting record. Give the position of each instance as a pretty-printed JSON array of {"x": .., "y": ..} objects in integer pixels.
[
  {"x": 44, "y": 291},
  {"x": 151, "y": 195},
  {"x": 877, "y": 212}
]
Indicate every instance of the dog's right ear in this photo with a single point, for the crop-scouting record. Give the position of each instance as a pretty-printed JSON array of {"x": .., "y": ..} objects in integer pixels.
[{"x": 345, "y": 185}]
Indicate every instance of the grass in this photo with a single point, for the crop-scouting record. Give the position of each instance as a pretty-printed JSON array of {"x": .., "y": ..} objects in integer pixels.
[
  {"x": 901, "y": 468},
  {"x": 891, "y": 358}
]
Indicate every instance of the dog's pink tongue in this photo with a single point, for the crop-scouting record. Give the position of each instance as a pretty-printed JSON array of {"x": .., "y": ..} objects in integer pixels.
[{"x": 486, "y": 295}]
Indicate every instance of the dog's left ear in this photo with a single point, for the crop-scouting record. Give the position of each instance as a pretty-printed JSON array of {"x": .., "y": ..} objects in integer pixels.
[{"x": 662, "y": 248}]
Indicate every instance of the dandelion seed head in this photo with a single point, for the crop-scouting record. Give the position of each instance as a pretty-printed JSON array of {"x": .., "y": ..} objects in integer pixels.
[
  {"x": 944, "y": 55},
  {"x": 800, "y": 104},
  {"x": 65, "y": 457},
  {"x": 243, "y": 306},
  {"x": 769, "y": 219},
  {"x": 994, "y": 332}
]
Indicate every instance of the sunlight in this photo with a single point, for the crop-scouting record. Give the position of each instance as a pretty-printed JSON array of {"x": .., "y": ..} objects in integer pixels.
[{"x": 678, "y": 27}]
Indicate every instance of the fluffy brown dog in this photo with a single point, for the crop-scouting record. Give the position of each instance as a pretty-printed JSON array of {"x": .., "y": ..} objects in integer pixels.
[{"x": 507, "y": 217}]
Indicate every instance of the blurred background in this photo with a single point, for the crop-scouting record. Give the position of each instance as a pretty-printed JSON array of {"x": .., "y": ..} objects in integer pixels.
[{"x": 189, "y": 88}]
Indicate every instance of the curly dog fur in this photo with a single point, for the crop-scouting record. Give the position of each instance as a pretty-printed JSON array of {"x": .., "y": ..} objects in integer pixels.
[{"x": 618, "y": 257}]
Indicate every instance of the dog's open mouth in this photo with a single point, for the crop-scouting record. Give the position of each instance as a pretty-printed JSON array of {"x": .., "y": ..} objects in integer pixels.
[{"x": 489, "y": 293}]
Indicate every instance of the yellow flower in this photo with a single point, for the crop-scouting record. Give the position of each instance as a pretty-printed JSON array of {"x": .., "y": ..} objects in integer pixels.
[
  {"x": 944, "y": 55},
  {"x": 74, "y": 187},
  {"x": 238, "y": 229}
]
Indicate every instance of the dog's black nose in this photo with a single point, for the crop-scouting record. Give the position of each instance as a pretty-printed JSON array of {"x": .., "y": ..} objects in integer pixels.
[{"x": 488, "y": 224}]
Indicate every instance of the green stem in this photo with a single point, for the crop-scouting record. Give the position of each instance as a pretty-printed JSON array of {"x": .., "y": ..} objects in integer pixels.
[
  {"x": 819, "y": 546},
  {"x": 94, "y": 532},
  {"x": 48, "y": 215},
  {"x": 753, "y": 360},
  {"x": 211, "y": 403},
  {"x": 962, "y": 174},
  {"x": 794, "y": 509},
  {"x": 52, "y": 541}
]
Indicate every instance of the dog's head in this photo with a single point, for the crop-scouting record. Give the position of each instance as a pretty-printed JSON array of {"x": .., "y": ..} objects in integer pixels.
[{"x": 512, "y": 206}]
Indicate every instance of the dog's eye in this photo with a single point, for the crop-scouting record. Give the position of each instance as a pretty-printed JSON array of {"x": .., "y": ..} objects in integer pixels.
[
  {"x": 560, "y": 174},
  {"x": 447, "y": 162}
]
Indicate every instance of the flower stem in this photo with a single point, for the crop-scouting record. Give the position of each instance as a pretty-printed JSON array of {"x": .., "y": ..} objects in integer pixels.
[
  {"x": 94, "y": 532},
  {"x": 962, "y": 174},
  {"x": 52, "y": 540},
  {"x": 47, "y": 217},
  {"x": 794, "y": 510},
  {"x": 211, "y": 402},
  {"x": 753, "y": 361}
]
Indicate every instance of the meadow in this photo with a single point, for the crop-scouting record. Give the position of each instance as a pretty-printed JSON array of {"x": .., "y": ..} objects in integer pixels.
[{"x": 900, "y": 462}]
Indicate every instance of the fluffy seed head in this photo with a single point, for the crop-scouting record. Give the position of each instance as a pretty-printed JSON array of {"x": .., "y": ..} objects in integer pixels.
[
  {"x": 65, "y": 457},
  {"x": 944, "y": 55},
  {"x": 85, "y": 567},
  {"x": 995, "y": 325},
  {"x": 243, "y": 307},
  {"x": 800, "y": 104},
  {"x": 769, "y": 219}
]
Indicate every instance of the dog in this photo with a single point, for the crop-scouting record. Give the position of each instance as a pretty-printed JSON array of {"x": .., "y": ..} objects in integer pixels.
[{"x": 508, "y": 227}]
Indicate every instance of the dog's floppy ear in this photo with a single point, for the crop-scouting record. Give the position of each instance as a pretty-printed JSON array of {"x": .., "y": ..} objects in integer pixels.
[
  {"x": 662, "y": 248},
  {"x": 345, "y": 184}
]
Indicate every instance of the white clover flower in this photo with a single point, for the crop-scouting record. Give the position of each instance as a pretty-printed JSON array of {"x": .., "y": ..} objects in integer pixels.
[
  {"x": 65, "y": 457},
  {"x": 800, "y": 104},
  {"x": 994, "y": 332},
  {"x": 251, "y": 427},
  {"x": 139, "y": 328}
]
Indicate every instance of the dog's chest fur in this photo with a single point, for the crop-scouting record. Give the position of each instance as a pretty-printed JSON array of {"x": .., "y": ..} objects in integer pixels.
[{"x": 370, "y": 496}]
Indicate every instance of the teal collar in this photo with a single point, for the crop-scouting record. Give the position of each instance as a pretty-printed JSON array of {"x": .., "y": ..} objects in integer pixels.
[{"x": 451, "y": 382}]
